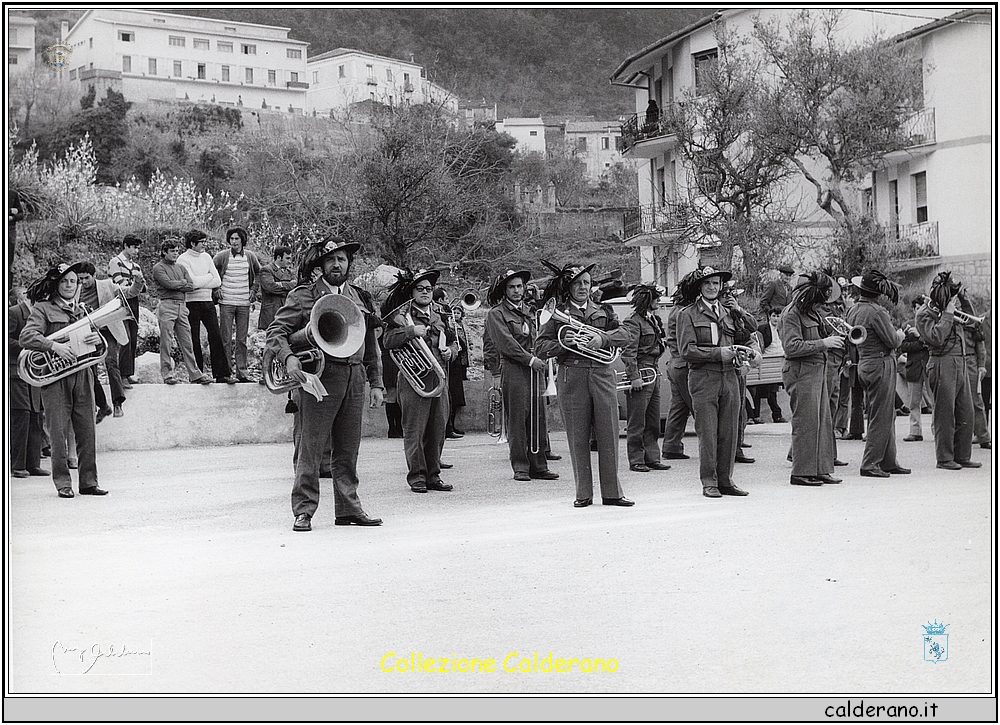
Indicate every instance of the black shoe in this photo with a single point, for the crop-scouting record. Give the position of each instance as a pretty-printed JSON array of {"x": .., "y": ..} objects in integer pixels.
[
  {"x": 657, "y": 466},
  {"x": 733, "y": 491},
  {"x": 839, "y": 462},
  {"x": 779, "y": 419},
  {"x": 552, "y": 457},
  {"x": 740, "y": 458},
  {"x": 361, "y": 519},
  {"x": 46, "y": 452},
  {"x": 303, "y": 522},
  {"x": 72, "y": 463},
  {"x": 226, "y": 380},
  {"x": 93, "y": 491},
  {"x": 418, "y": 487},
  {"x": 395, "y": 434},
  {"x": 711, "y": 492},
  {"x": 640, "y": 467},
  {"x": 521, "y": 476},
  {"x": 243, "y": 378},
  {"x": 987, "y": 445},
  {"x": 458, "y": 432},
  {"x": 963, "y": 464},
  {"x": 103, "y": 413},
  {"x": 950, "y": 465},
  {"x": 582, "y": 502},
  {"x": 544, "y": 475},
  {"x": 65, "y": 493},
  {"x": 926, "y": 411},
  {"x": 39, "y": 472},
  {"x": 454, "y": 436},
  {"x": 745, "y": 445},
  {"x": 326, "y": 474},
  {"x": 754, "y": 421},
  {"x": 874, "y": 473},
  {"x": 911, "y": 439},
  {"x": 827, "y": 478},
  {"x": 897, "y": 469},
  {"x": 442, "y": 464},
  {"x": 617, "y": 502},
  {"x": 118, "y": 412},
  {"x": 805, "y": 481},
  {"x": 676, "y": 456},
  {"x": 126, "y": 383},
  {"x": 439, "y": 486},
  {"x": 20, "y": 473}
]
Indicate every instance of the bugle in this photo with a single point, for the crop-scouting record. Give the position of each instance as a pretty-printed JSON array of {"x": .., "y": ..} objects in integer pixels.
[
  {"x": 855, "y": 334},
  {"x": 574, "y": 336},
  {"x": 647, "y": 375},
  {"x": 419, "y": 366},
  {"x": 39, "y": 368}
]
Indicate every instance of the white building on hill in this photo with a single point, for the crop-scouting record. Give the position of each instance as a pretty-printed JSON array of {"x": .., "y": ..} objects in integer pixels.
[
  {"x": 529, "y": 132},
  {"x": 150, "y": 55},
  {"x": 20, "y": 43}
]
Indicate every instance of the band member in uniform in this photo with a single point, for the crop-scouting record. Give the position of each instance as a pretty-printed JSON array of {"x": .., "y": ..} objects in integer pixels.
[
  {"x": 836, "y": 359},
  {"x": 26, "y": 432},
  {"x": 949, "y": 344},
  {"x": 744, "y": 334},
  {"x": 807, "y": 342},
  {"x": 510, "y": 326},
  {"x": 677, "y": 373},
  {"x": 877, "y": 372},
  {"x": 337, "y": 417},
  {"x": 424, "y": 418},
  {"x": 643, "y": 351},
  {"x": 587, "y": 395},
  {"x": 705, "y": 339},
  {"x": 68, "y": 402}
]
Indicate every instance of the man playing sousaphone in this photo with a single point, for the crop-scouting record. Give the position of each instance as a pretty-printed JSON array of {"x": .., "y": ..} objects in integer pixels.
[
  {"x": 510, "y": 327},
  {"x": 578, "y": 332},
  {"x": 337, "y": 417}
]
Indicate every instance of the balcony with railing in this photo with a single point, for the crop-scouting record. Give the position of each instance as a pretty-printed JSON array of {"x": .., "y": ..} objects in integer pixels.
[
  {"x": 913, "y": 241},
  {"x": 920, "y": 129},
  {"x": 670, "y": 218},
  {"x": 638, "y": 128}
]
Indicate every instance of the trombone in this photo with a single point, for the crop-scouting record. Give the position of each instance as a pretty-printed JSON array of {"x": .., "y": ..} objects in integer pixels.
[{"x": 536, "y": 427}]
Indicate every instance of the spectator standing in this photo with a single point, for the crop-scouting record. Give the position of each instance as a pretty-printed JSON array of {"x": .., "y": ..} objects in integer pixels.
[
  {"x": 124, "y": 271},
  {"x": 277, "y": 279},
  {"x": 458, "y": 374},
  {"x": 770, "y": 347},
  {"x": 238, "y": 269},
  {"x": 778, "y": 292},
  {"x": 201, "y": 310},
  {"x": 172, "y": 281}
]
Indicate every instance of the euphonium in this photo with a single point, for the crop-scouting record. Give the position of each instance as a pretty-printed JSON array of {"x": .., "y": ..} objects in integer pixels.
[
  {"x": 574, "y": 335},
  {"x": 647, "y": 375},
  {"x": 855, "y": 334},
  {"x": 336, "y": 327},
  {"x": 39, "y": 368},
  {"x": 419, "y": 366}
]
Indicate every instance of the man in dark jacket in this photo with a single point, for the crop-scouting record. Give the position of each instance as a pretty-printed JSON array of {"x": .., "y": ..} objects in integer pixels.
[
  {"x": 277, "y": 279},
  {"x": 913, "y": 375}
]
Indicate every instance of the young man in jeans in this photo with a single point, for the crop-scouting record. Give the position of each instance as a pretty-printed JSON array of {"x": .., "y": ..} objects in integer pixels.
[
  {"x": 172, "y": 282},
  {"x": 238, "y": 268}
]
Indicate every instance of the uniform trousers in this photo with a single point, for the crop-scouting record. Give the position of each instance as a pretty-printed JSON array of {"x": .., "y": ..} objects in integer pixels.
[
  {"x": 424, "y": 424},
  {"x": 203, "y": 313},
  {"x": 742, "y": 427},
  {"x": 644, "y": 422},
  {"x": 336, "y": 418},
  {"x": 833, "y": 388},
  {"x": 981, "y": 427},
  {"x": 172, "y": 316},
  {"x": 587, "y": 399},
  {"x": 126, "y": 352},
  {"x": 680, "y": 409},
  {"x": 69, "y": 405},
  {"x": 237, "y": 316},
  {"x": 112, "y": 364},
  {"x": 515, "y": 386},
  {"x": 715, "y": 395},
  {"x": 807, "y": 384},
  {"x": 914, "y": 401},
  {"x": 878, "y": 376},
  {"x": 25, "y": 439},
  {"x": 953, "y": 410}
]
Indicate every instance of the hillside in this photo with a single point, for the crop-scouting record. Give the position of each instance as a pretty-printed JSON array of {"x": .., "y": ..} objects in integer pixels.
[{"x": 531, "y": 62}]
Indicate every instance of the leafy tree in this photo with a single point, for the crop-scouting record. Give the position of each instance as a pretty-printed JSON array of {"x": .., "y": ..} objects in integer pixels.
[{"x": 106, "y": 125}]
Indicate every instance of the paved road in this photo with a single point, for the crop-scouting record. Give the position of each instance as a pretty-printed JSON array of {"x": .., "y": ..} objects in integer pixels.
[{"x": 192, "y": 558}]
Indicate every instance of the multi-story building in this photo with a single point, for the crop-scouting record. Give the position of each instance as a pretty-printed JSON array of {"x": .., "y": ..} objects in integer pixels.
[
  {"x": 596, "y": 144},
  {"x": 529, "y": 133},
  {"x": 670, "y": 69},
  {"x": 20, "y": 43},
  {"x": 151, "y": 55},
  {"x": 342, "y": 77}
]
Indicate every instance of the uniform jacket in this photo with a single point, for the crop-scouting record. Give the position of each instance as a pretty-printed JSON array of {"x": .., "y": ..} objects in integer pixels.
[
  {"x": 775, "y": 295},
  {"x": 645, "y": 347},
  {"x": 512, "y": 333},
  {"x": 491, "y": 358},
  {"x": 22, "y": 395},
  {"x": 676, "y": 360},
  {"x": 294, "y": 316},
  {"x": 694, "y": 336},
  {"x": 399, "y": 332},
  {"x": 916, "y": 357},
  {"x": 596, "y": 316},
  {"x": 944, "y": 336},
  {"x": 802, "y": 334},
  {"x": 45, "y": 318},
  {"x": 882, "y": 338}
]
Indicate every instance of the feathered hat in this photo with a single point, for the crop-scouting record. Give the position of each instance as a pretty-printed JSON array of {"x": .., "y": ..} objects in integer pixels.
[
  {"x": 814, "y": 288},
  {"x": 562, "y": 279},
  {"x": 402, "y": 289},
  {"x": 645, "y": 296},
  {"x": 943, "y": 288},
  {"x": 45, "y": 287},
  {"x": 874, "y": 283}
]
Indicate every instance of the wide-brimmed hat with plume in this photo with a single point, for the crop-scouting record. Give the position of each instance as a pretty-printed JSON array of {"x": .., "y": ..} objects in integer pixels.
[
  {"x": 562, "y": 279},
  {"x": 874, "y": 283}
]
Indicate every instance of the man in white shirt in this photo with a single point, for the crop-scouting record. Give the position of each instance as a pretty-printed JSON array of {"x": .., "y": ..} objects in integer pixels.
[{"x": 201, "y": 309}]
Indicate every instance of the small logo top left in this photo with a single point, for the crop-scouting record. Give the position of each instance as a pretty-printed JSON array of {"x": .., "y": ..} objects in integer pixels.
[{"x": 58, "y": 55}]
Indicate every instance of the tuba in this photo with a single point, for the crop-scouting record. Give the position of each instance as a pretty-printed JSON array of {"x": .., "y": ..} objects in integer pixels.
[
  {"x": 419, "y": 366},
  {"x": 854, "y": 334},
  {"x": 574, "y": 335},
  {"x": 336, "y": 327},
  {"x": 39, "y": 368}
]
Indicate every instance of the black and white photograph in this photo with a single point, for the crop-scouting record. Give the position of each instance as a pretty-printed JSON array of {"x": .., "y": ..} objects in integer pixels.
[{"x": 377, "y": 355}]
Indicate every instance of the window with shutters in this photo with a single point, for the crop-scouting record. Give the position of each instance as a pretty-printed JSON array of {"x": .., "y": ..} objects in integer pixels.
[
  {"x": 704, "y": 64},
  {"x": 178, "y": 69},
  {"x": 201, "y": 44},
  {"x": 224, "y": 46},
  {"x": 248, "y": 49},
  {"x": 152, "y": 66},
  {"x": 126, "y": 64},
  {"x": 176, "y": 41},
  {"x": 272, "y": 77},
  {"x": 295, "y": 53},
  {"x": 920, "y": 195},
  {"x": 201, "y": 71},
  {"x": 249, "y": 75},
  {"x": 225, "y": 74},
  {"x": 126, "y": 36}
]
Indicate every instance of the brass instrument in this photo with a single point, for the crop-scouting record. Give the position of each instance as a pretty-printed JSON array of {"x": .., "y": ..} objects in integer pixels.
[
  {"x": 419, "y": 366},
  {"x": 743, "y": 357},
  {"x": 574, "y": 335},
  {"x": 471, "y": 300},
  {"x": 855, "y": 334},
  {"x": 494, "y": 414},
  {"x": 964, "y": 318},
  {"x": 39, "y": 368},
  {"x": 536, "y": 431},
  {"x": 648, "y": 376},
  {"x": 336, "y": 327}
]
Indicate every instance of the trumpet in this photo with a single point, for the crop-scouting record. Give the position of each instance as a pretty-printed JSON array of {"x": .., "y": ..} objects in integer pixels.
[
  {"x": 855, "y": 334},
  {"x": 494, "y": 414},
  {"x": 39, "y": 368},
  {"x": 536, "y": 429},
  {"x": 647, "y": 375},
  {"x": 574, "y": 336},
  {"x": 336, "y": 328},
  {"x": 419, "y": 366},
  {"x": 964, "y": 318}
]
